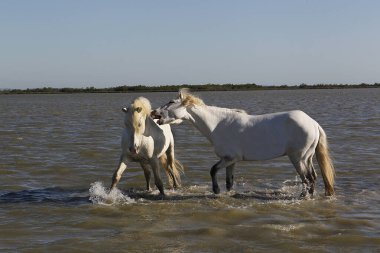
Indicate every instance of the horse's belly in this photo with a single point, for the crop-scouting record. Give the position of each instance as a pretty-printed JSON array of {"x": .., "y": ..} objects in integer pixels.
[
  {"x": 251, "y": 150},
  {"x": 255, "y": 150},
  {"x": 263, "y": 154}
]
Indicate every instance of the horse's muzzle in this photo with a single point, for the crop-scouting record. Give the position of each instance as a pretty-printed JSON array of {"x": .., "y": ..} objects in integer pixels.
[
  {"x": 133, "y": 150},
  {"x": 154, "y": 114}
]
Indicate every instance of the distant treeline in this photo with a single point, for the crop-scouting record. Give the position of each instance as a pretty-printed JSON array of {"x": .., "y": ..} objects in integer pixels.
[{"x": 201, "y": 87}]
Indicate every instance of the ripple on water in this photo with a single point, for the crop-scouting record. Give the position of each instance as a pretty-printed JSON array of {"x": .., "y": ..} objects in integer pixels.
[{"x": 55, "y": 146}]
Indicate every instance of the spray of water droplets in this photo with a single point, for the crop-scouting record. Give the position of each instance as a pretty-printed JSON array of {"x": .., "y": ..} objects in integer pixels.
[{"x": 102, "y": 196}]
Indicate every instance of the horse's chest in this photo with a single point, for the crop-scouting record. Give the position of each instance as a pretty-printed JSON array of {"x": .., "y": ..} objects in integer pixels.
[
  {"x": 140, "y": 157},
  {"x": 145, "y": 153}
]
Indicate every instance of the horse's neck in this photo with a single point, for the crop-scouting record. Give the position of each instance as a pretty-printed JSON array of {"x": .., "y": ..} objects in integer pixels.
[
  {"x": 152, "y": 129},
  {"x": 204, "y": 119}
]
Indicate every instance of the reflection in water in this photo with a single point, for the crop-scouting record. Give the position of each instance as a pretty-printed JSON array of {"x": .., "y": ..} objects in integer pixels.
[{"x": 46, "y": 195}]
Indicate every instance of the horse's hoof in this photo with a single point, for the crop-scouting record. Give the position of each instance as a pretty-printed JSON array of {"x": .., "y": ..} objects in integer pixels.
[
  {"x": 111, "y": 189},
  {"x": 311, "y": 191},
  {"x": 303, "y": 195},
  {"x": 216, "y": 190}
]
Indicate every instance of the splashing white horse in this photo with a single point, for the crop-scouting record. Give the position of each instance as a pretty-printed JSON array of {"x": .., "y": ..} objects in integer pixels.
[
  {"x": 238, "y": 136},
  {"x": 149, "y": 144}
]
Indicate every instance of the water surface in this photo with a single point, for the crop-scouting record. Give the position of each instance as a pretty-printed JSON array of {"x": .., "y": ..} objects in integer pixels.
[{"x": 58, "y": 153}]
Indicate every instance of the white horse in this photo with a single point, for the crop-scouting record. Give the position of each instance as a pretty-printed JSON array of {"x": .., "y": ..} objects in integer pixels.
[
  {"x": 149, "y": 144},
  {"x": 238, "y": 136}
]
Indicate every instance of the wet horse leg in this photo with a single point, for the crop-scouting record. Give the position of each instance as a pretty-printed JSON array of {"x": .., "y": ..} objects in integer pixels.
[
  {"x": 146, "y": 168},
  {"x": 118, "y": 172},
  {"x": 230, "y": 176},
  {"x": 301, "y": 167},
  {"x": 311, "y": 175},
  {"x": 224, "y": 162},
  {"x": 154, "y": 163}
]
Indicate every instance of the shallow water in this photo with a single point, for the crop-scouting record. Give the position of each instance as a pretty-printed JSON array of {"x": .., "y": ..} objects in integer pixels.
[{"x": 58, "y": 153}]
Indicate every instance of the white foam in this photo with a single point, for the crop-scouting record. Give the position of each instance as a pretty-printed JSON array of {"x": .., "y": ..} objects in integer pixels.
[
  {"x": 291, "y": 187},
  {"x": 285, "y": 228},
  {"x": 100, "y": 195}
]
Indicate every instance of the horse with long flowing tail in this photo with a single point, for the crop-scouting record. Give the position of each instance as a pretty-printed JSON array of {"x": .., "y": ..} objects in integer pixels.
[
  {"x": 146, "y": 142},
  {"x": 237, "y": 136}
]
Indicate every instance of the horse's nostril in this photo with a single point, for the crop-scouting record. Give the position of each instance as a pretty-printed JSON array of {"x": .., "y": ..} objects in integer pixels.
[
  {"x": 133, "y": 150},
  {"x": 155, "y": 115}
]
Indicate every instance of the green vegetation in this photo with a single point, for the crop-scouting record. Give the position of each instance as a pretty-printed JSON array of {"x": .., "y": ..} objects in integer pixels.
[{"x": 172, "y": 88}]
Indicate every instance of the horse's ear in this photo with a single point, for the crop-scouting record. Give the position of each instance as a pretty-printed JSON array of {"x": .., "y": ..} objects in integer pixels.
[
  {"x": 138, "y": 109},
  {"x": 125, "y": 109},
  {"x": 182, "y": 92}
]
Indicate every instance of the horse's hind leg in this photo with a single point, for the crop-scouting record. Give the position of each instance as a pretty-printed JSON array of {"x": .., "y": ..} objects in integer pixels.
[
  {"x": 230, "y": 176},
  {"x": 305, "y": 169},
  {"x": 311, "y": 175},
  {"x": 301, "y": 167},
  {"x": 146, "y": 168}
]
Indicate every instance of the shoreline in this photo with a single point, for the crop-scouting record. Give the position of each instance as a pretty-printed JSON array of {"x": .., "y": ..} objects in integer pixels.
[{"x": 175, "y": 88}]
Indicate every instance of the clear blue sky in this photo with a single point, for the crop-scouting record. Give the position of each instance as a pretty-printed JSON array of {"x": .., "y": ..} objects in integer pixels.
[{"x": 79, "y": 43}]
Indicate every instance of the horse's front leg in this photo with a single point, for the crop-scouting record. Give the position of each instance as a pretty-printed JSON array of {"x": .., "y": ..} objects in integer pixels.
[
  {"x": 118, "y": 172},
  {"x": 157, "y": 176},
  {"x": 224, "y": 162},
  {"x": 230, "y": 176},
  {"x": 146, "y": 168}
]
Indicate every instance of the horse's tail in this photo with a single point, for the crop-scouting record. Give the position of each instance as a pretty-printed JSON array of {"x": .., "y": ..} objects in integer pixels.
[
  {"x": 173, "y": 169},
  {"x": 177, "y": 168},
  {"x": 164, "y": 163},
  {"x": 325, "y": 163}
]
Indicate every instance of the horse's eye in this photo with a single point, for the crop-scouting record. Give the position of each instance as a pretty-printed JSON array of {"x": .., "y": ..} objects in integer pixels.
[
  {"x": 139, "y": 124},
  {"x": 171, "y": 102}
]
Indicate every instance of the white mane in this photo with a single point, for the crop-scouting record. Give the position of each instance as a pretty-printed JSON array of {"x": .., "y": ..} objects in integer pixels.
[
  {"x": 142, "y": 103},
  {"x": 190, "y": 100}
]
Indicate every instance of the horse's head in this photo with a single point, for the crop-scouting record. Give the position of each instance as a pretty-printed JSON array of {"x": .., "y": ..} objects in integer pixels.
[
  {"x": 134, "y": 120},
  {"x": 175, "y": 111}
]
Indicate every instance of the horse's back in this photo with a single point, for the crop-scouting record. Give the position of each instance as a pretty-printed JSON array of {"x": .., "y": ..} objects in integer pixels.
[
  {"x": 302, "y": 124},
  {"x": 284, "y": 120},
  {"x": 296, "y": 131},
  {"x": 261, "y": 137}
]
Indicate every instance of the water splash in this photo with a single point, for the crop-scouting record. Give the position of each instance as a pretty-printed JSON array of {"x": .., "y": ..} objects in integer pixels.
[
  {"x": 292, "y": 187},
  {"x": 102, "y": 196}
]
